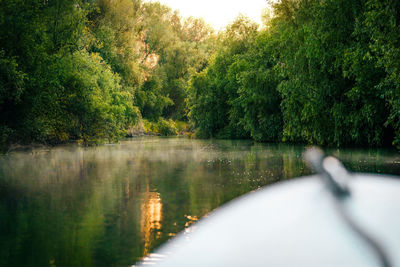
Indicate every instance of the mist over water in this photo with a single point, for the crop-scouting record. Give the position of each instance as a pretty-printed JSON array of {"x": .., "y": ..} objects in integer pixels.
[{"x": 111, "y": 205}]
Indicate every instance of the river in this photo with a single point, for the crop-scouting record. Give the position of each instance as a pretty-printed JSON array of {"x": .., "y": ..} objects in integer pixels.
[{"x": 110, "y": 205}]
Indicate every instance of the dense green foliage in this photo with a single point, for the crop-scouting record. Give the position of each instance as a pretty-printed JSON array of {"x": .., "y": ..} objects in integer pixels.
[
  {"x": 236, "y": 96},
  {"x": 89, "y": 70},
  {"x": 328, "y": 91},
  {"x": 324, "y": 72},
  {"x": 320, "y": 72}
]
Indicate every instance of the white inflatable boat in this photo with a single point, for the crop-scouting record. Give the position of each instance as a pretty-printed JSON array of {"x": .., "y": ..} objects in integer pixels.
[{"x": 333, "y": 218}]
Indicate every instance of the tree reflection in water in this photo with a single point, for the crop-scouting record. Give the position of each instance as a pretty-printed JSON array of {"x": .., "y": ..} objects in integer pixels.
[{"x": 111, "y": 205}]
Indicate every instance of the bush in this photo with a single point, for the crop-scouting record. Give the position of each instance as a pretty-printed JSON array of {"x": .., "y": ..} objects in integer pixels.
[{"x": 161, "y": 127}]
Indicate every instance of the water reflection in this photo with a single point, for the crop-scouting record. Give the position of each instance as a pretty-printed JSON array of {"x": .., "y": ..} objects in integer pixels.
[
  {"x": 111, "y": 205},
  {"x": 151, "y": 219}
]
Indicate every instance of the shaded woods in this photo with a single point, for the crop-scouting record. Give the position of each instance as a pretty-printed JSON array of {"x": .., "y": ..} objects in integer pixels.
[
  {"x": 322, "y": 72},
  {"x": 90, "y": 70}
]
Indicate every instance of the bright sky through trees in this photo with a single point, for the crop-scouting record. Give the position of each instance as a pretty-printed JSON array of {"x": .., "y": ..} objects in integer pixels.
[{"x": 218, "y": 13}]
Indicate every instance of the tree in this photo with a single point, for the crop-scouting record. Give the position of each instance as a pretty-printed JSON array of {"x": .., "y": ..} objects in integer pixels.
[{"x": 214, "y": 90}]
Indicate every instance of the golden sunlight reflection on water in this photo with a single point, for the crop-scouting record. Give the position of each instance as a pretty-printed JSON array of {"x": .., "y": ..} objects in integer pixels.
[{"x": 151, "y": 219}]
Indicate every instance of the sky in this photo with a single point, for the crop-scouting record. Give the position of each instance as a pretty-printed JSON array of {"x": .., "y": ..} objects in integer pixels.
[{"x": 218, "y": 13}]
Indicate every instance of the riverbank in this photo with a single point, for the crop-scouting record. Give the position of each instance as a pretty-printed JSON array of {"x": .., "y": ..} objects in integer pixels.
[{"x": 161, "y": 127}]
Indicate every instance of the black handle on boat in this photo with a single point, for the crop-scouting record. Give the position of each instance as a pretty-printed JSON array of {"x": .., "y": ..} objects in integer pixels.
[
  {"x": 336, "y": 177},
  {"x": 330, "y": 169}
]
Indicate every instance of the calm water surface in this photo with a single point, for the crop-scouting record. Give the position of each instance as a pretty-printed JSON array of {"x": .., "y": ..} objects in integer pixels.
[{"x": 110, "y": 205}]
